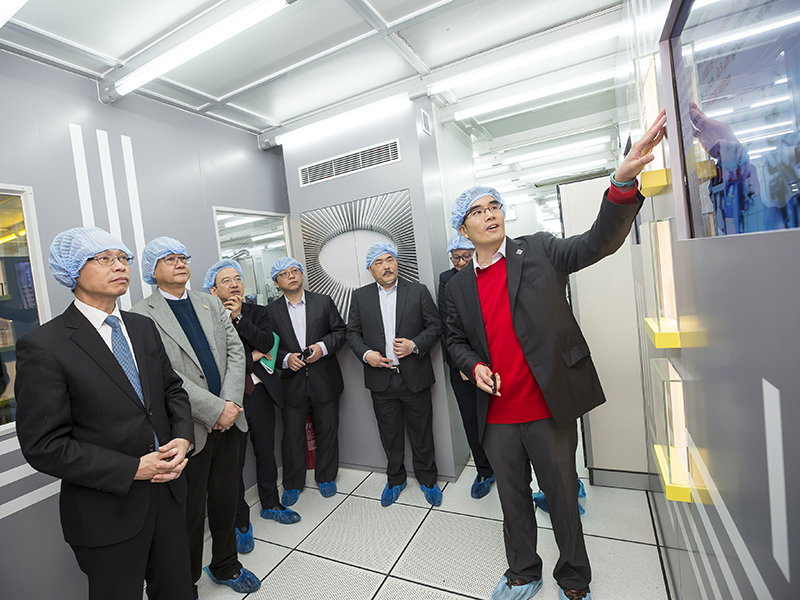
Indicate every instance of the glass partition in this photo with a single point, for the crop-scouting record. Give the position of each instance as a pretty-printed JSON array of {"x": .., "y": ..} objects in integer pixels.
[{"x": 255, "y": 240}]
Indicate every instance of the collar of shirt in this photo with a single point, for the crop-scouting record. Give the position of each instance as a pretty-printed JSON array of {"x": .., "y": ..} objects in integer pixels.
[
  {"x": 385, "y": 291},
  {"x": 299, "y": 302},
  {"x": 96, "y": 316},
  {"x": 501, "y": 252},
  {"x": 169, "y": 296}
]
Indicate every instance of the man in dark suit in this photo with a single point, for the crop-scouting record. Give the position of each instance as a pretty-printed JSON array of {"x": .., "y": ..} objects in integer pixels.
[
  {"x": 111, "y": 423},
  {"x": 392, "y": 326},
  {"x": 461, "y": 249},
  {"x": 311, "y": 331},
  {"x": 262, "y": 393},
  {"x": 510, "y": 329}
]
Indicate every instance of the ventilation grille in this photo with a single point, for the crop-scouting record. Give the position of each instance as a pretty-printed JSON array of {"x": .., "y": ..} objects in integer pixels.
[
  {"x": 426, "y": 122},
  {"x": 361, "y": 160}
]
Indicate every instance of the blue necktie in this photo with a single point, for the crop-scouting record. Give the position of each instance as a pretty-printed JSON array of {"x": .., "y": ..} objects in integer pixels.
[{"x": 122, "y": 352}]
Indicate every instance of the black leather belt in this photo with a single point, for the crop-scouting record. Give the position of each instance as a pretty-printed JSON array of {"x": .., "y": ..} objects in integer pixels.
[{"x": 395, "y": 369}]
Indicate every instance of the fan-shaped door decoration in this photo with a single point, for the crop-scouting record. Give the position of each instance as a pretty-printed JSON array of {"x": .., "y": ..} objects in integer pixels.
[{"x": 336, "y": 238}]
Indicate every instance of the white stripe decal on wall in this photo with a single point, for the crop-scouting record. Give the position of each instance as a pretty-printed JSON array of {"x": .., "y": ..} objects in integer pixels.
[
  {"x": 15, "y": 474},
  {"x": 136, "y": 211},
  {"x": 701, "y": 548},
  {"x": 777, "y": 477},
  {"x": 690, "y": 552},
  {"x": 111, "y": 199},
  {"x": 81, "y": 175},
  {"x": 748, "y": 564},
  {"x": 9, "y": 445},
  {"x": 29, "y": 499}
]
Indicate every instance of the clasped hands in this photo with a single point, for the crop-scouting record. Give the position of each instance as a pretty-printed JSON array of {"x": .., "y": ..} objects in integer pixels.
[
  {"x": 165, "y": 464},
  {"x": 295, "y": 361},
  {"x": 402, "y": 347}
]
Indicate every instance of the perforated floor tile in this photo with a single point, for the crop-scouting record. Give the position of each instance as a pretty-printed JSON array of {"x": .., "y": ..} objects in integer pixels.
[
  {"x": 614, "y": 513},
  {"x": 363, "y": 533},
  {"x": 304, "y": 577},
  {"x": 625, "y": 570},
  {"x": 313, "y": 509},
  {"x": 458, "y": 499},
  {"x": 260, "y": 561},
  {"x": 346, "y": 481},
  {"x": 397, "y": 589},
  {"x": 372, "y": 487}
]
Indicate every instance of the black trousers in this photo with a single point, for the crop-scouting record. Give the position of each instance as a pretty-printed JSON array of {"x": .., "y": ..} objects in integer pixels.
[
  {"x": 513, "y": 448},
  {"x": 259, "y": 409},
  {"x": 465, "y": 393},
  {"x": 398, "y": 409},
  {"x": 158, "y": 554},
  {"x": 213, "y": 479},
  {"x": 325, "y": 418}
]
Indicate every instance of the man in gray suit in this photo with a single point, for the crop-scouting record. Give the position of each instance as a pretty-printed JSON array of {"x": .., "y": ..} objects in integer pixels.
[
  {"x": 206, "y": 352},
  {"x": 393, "y": 324}
]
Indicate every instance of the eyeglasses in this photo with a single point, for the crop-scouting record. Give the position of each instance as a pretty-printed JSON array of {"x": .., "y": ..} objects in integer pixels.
[
  {"x": 229, "y": 280},
  {"x": 286, "y": 274},
  {"x": 460, "y": 259},
  {"x": 478, "y": 212},
  {"x": 107, "y": 261},
  {"x": 171, "y": 261}
]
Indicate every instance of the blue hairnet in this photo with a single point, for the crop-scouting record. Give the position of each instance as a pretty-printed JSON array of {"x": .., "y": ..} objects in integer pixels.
[
  {"x": 72, "y": 248},
  {"x": 155, "y": 249},
  {"x": 467, "y": 198},
  {"x": 282, "y": 264},
  {"x": 211, "y": 275},
  {"x": 459, "y": 242},
  {"x": 378, "y": 249}
]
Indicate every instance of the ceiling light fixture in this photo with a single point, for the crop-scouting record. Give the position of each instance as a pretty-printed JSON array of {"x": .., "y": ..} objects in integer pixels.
[
  {"x": 9, "y": 8},
  {"x": 745, "y": 33},
  {"x": 536, "y": 94},
  {"x": 565, "y": 149},
  {"x": 719, "y": 113},
  {"x": 266, "y": 236},
  {"x": 754, "y": 129},
  {"x": 243, "y": 221},
  {"x": 766, "y": 136},
  {"x": 571, "y": 170},
  {"x": 205, "y": 40},
  {"x": 529, "y": 58},
  {"x": 769, "y": 101}
]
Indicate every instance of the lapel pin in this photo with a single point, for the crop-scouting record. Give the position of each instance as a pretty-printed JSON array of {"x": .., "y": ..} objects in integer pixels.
[
  {"x": 206, "y": 307},
  {"x": 519, "y": 251}
]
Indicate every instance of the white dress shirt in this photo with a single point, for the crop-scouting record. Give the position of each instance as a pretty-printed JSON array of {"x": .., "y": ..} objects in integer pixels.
[
  {"x": 501, "y": 252},
  {"x": 297, "y": 315},
  {"x": 97, "y": 318},
  {"x": 388, "y": 301}
]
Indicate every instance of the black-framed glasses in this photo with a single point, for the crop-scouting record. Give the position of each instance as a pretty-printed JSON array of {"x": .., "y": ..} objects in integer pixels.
[
  {"x": 173, "y": 260},
  {"x": 457, "y": 259},
  {"x": 106, "y": 261},
  {"x": 474, "y": 213},
  {"x": 285, "y": 274}
]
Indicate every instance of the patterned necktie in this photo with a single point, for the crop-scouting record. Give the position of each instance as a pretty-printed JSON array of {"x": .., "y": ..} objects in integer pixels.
[{"x": 122, "y": 352}]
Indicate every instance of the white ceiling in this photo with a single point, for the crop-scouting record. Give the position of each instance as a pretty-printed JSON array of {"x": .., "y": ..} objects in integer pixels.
[{"x": 319, "y": 57}]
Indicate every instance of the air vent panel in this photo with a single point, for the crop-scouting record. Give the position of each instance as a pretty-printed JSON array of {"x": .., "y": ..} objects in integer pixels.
[{"x": 347, "y": 164}]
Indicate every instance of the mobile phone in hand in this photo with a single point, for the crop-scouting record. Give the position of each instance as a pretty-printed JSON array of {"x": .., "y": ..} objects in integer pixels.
[
  {"x": 306, "y": 354},
  {"x": 494, "y": 384}
]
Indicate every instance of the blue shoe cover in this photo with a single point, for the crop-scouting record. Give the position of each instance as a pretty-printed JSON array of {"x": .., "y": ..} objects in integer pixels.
[
  {"x": 504, "y": 591},
  {"x": 289, "y": 497},
  {"x": 245, "y": 583},
  {"x": 581, "y": 489},
  {"x": 563, "y": 596},
  {"x": 283, "y": 515},
  {"x": 244, "y": 541},
  {"x": 541, "y": 503},
  {"x": 391, "y": 494},
  {"x": 432, "y": 494},
  {"x": 327, "y": 489},
  {"x": 481, "y": 488}
]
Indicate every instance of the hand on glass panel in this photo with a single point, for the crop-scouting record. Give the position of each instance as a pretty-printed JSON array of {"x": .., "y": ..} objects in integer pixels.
[{"x": 642, "y": 151}]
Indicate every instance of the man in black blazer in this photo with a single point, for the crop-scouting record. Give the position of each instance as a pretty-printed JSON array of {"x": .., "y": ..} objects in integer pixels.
[
  {"x": 510, "y": 329},
  {"x": 311, "y": 331},
  {"x": 111, "y": 424},
  {"x": 262, "y": 393},
  {"x": 392, "y": 326}
]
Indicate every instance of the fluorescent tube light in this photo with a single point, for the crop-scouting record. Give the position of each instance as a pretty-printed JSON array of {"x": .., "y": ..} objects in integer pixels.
[
  {"x": 769, "y": 101},
  {"x": 529, "y": 58},
  {"x": 243, "y": 221},
  {"x": 274, "y": 245},
  {"x": 8, "y": 8},
  {"x": 205, "y": 40},
  {"x": 745, "y": 33},
  {"x": 757, "y": 152},
  {"x": 558, "y": 150},
  {"x": 780, "y": 81},
  {"x": 754, "y": 129},
  {"x": 536, "y": 94},
  {"x": 266, "y": 236},
  {"x": 574, "y": 169},
  {"x": 719, "y": 113},
  {"x": 766, "y": 135}
]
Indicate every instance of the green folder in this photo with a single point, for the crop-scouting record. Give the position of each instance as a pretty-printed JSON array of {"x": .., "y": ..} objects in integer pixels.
[{"x": 269, "y": 365}]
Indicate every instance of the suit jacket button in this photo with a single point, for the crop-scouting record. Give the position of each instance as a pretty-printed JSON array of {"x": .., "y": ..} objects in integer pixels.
[
  {"x": 151, "y": 413},
  {"x": 202, "y": 376}
]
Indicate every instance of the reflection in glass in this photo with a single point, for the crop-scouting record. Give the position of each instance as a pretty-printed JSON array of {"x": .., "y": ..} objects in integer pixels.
[
  {"x": 737, "y": 75},
  {"x": 255, "y": 241},
  {"x": 18, "y": 312}
]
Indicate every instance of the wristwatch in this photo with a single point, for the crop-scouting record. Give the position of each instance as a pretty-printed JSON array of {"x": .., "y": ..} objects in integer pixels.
[{"x": 237, "y": 318}]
